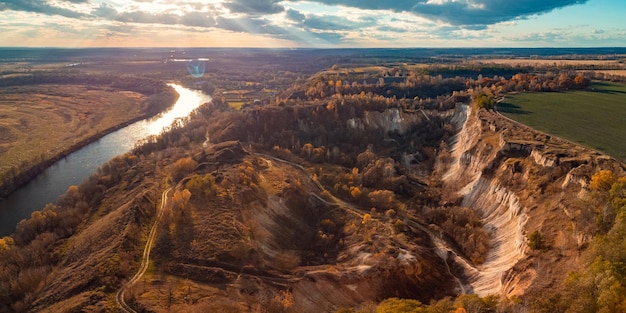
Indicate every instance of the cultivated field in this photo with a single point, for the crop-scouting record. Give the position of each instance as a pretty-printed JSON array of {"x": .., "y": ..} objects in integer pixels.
[
  {"x": 42, "y": 121},
  {"x": 595, "y": 118}
]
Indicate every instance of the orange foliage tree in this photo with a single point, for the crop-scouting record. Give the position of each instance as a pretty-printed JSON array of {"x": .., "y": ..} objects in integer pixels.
[{"x": 602, "y": 180}]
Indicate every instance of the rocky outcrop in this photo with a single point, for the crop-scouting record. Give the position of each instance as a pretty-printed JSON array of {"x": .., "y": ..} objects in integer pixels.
[
  {"x": 510, "y": 174},
  {"x": 390, "y": 120}
]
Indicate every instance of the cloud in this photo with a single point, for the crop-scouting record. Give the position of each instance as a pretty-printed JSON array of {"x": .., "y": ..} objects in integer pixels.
[
  {"x": 549, "y": 36},
  {"x": 335, "y": 23},
  {"x": 254, "y": 7},
  {"x": 462, "y": 12},
  {"x": 193, "y": 18},
  {"x": 199, "y": 19},
  {"x": 148, "y": 18},
  {"x": 295, "y": 16},
  {"x": 396, "y": 5},
  {"x": 392, "y": 29},
  {"x": 40, "y": 6},
  {"x": 105, "y": 10},
  {"x": 251, "y": 25},
  {"x": 487, "y": 12}
]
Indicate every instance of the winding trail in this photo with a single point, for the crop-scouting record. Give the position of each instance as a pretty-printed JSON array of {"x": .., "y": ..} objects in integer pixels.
[{"x": 145, "y": 259}]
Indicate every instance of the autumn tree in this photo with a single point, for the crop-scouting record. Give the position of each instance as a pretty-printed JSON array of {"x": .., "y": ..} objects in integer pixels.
[
  {"x": 182, "y": 168},
  {"x": 201, "y": 185},
  {"x": 602, "y": 180},
  {"x": 617, "y": 194},
  {"x": 180, "y": 199},
  {"x": 485, "y": 101},
  {"x": 247, "y": 174},
  {"x": 355, "y": 192},
  {"x": 382, "y": 199}
]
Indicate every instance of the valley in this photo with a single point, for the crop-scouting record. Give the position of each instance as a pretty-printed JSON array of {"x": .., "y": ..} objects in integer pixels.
[{"x": 350, "y": 188}]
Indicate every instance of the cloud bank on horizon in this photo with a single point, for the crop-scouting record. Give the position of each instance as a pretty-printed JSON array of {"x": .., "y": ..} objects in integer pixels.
[{"x": 295, "y": 23}]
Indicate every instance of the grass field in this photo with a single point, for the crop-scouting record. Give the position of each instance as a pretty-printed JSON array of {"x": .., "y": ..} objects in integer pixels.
[
  {"x": 40, "y": 122},
  {"x": 594, "y": 118}
]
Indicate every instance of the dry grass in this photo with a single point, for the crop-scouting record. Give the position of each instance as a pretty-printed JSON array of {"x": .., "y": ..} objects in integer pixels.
[
  {"x": 43, "y": 121},
  {"x": 236, "y": 104},
  {"x": 160, "y": 292},
  {"x": 537, "y": 62},
  {"x": 613, "y": 72}
]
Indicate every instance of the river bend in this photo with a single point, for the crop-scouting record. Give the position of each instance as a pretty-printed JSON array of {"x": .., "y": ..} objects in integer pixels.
[{"x": 76, "y": 167}]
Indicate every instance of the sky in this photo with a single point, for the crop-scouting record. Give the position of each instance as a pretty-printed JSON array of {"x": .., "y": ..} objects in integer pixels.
[{"x": 313, "y": 23}]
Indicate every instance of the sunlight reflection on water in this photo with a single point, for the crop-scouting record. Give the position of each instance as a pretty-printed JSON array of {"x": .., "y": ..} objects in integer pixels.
[{"x": 76, "y": 167}]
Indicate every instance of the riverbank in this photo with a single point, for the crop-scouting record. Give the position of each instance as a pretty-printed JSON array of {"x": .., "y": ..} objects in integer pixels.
[{"x": 40, "y": 156}]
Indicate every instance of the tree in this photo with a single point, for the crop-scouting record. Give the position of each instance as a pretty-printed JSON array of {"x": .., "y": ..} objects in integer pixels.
[
  {"x": 475, "y": 304},
  {"x": 366, "y": 218},
  {"x": 182, "y": 168},
  {"x": 355, "y": 192},
  {"x": 6, "y": 243},
  {"x": 201, "y": 185},
  {"x": 307, "y": 149},
  {"x": 485, "y": 101},
  {"x": 602, "y": 180},
  {"x": 617, "y": 194}
]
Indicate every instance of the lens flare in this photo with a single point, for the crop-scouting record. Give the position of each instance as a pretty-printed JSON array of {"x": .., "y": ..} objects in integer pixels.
[{"x": 196, "y": 68}]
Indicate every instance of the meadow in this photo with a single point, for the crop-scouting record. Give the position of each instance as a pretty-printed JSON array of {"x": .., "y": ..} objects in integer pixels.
[
  {"x": 40, "y": 122},
  {"x": 595, "y": 118}
]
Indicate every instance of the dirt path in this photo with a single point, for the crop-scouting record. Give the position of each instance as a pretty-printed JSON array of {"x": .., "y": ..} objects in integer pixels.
[{"x": 145, "y": 258}]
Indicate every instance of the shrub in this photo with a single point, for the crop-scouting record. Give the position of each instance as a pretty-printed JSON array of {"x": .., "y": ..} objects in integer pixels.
[
  {"x": 395, "y": 305},
  {"x": 535, "y": 240}
]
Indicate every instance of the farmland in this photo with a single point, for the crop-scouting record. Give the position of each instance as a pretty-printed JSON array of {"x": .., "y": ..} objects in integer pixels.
[{"x": 593, "y": 118}]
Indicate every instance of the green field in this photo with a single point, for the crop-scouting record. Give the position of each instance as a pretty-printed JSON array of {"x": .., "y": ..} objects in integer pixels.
[{"x": 595, "y": 118}]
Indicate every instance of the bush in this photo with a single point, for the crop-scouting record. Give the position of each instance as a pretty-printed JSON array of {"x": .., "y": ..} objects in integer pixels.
[{"x": 535, "y": 240}]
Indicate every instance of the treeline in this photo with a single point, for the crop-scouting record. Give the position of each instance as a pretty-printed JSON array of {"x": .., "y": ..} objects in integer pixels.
[
  {"x": 420, "y": 86},
  {"x": 416, "y": 86},
  {"x": 138, "y": 84},
  {"x": 616, "y": 78}
]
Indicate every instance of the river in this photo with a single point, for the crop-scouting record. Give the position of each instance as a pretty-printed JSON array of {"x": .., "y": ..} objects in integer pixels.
[{"x": 76, "y": 167}]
